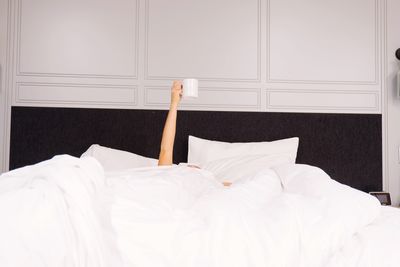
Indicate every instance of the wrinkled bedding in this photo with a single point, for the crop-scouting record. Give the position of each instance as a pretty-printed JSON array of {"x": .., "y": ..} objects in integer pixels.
[
  {"x": 68, "y": 212},
  {"x": 292, "y": 215},
  {"x": 56, "y": 213}
]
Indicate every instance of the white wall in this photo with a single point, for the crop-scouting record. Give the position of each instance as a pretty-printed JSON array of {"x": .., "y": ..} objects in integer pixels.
[
  {"x": 254, "y": 55},
  {"x": 258, "y": 55},
  {"x": 393, "y": 102},
  {"x": 3, "y": 91}
]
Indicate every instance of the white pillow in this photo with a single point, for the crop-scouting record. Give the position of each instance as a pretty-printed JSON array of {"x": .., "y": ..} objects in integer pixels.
[
  {"x": 117, "y": 160},
  {"x": 243, "y": 168},
  {"x": 202, "y": 151}
]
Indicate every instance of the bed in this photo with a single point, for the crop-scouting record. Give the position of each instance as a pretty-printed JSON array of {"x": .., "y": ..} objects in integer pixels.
[{"x": 79, "y": 211}]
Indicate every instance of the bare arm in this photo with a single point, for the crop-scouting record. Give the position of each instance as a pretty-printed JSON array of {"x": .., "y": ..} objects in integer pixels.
[{"x": 168, "y": 137}]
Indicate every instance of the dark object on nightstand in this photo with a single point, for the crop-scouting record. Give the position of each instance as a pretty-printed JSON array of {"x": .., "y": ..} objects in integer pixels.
[{"x": 383, "y": 197}]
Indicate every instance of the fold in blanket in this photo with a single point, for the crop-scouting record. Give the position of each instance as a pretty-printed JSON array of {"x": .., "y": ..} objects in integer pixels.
[{"x": 54, "y": 214}]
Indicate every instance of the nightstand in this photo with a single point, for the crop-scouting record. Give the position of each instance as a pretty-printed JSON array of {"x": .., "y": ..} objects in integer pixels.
[{"x": 383, "y": 197}]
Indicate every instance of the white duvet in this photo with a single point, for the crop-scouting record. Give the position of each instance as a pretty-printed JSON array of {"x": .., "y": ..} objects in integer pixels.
[
  {"x": 55, "y": 214},
  {"x": 292, "y": 215},
  {"x": 66, "y": 212}
]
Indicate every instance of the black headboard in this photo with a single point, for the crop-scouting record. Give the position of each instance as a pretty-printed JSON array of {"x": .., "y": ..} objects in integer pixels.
[{"x": 347, "y": 146}]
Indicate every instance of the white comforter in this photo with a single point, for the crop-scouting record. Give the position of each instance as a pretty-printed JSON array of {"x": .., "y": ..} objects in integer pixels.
[
  {"x": 58, "y": 213},
  {"x": 55, "y": 214},
  {"x": 293, "y": 215}
]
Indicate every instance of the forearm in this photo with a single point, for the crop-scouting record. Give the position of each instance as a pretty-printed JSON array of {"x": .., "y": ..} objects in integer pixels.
[{"x": 168, "y": 137}]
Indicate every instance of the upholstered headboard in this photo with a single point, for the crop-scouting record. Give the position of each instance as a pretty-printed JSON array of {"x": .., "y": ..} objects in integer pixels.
[{"x": 347, "y": 146}]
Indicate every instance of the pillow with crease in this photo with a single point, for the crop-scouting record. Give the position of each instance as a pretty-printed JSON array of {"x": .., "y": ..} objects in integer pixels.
[
  {"x": 243, "y": 168},
  {"x": 118, "y": 160},
  {"x": 202, "y": 151}
]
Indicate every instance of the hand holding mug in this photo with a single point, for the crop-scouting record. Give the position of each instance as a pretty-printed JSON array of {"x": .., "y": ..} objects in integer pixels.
[{"x": 176, "y": 93}]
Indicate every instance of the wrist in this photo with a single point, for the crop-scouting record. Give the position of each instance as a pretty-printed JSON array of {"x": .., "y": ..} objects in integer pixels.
[{"x": 173, "y": 105}]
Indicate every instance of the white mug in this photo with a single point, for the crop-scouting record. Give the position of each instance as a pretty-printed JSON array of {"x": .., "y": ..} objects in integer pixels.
[{"x": 190, "y": 88}]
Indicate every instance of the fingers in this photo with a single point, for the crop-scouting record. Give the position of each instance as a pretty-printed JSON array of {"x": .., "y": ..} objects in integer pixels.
[
  {"x": 176, "y": 92},
  {"x": 177, "y": 85},
  {"x": 227, "y": 183}
]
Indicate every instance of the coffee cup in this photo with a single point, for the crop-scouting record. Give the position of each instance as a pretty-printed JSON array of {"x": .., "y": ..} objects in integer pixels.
[{"x": 190, "y": 88}]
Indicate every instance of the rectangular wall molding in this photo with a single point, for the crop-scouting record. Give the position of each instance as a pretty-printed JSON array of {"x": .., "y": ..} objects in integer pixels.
[
  {"x": 353, "y": 101},
  {"x": 308, "y": 44},
  {"x": 207, "y": 49},
  {"x": 79, "y": 94},
  {"x": 83, "y": 39},
  {"x": 209, "y": 98}
]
